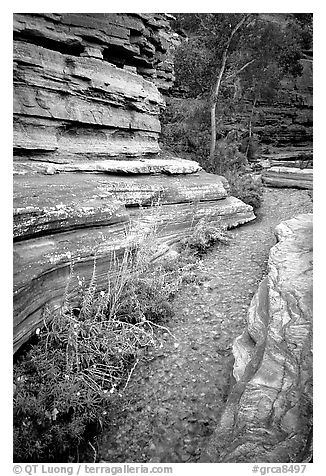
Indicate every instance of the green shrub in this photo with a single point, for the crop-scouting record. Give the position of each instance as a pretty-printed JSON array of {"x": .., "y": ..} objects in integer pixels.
[{"x": 246, "y": 188}]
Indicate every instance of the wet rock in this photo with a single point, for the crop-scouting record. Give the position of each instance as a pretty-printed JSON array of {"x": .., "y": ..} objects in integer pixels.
[{"x": 268, "y": 416}]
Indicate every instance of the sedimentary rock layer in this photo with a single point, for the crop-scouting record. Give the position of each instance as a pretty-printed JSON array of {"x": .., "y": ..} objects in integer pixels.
[
  {"x": 73, "y": 217},
  {"x": 86, "y": 163},
  {"x": 68, "y": 107},
  {"x": 141, "y": 43},
  {"x": 268, "y": 415},
  {"x": 288, "y": 177},
  {"x": 47, "y": 204},
  {"x": 291, "y": 157},
  {"x": 172, "y": 166},
  {"x": 284, "y": 123}
]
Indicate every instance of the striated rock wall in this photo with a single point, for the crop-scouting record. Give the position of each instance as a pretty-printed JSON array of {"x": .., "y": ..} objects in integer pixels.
[
  {"x": 87, "y": 169},
  {"x": 71, "y": 218},
  {"x": 138, "y": 42},
  {"x": 79, "y": 87},
  {"x": 288, "y": 177},
  {"x": 268, "y": 415}
]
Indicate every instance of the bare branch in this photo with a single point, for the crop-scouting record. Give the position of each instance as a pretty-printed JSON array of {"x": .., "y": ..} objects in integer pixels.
[{"x": 239, "y": 70}]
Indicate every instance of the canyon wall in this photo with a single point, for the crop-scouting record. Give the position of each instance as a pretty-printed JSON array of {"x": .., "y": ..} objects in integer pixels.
[
  {"x": 89, "y": 178},
  {"x": 268, "y": 414},
  {"x": 284, "y": 127}
]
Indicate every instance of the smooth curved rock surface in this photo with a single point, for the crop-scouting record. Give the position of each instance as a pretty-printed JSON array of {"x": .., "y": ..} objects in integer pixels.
[
  {"x": 71, "y": 217},
  {"x": 288, "y": 177},
  {"x": 268, "y": 415}
]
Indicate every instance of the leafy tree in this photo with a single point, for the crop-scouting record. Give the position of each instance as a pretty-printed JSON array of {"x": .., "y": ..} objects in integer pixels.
[{"x": 243, "y": 53}]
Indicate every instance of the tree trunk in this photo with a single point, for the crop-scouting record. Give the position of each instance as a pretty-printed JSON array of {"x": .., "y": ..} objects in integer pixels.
[
  {"x": 250, "y": 126},
  {"x": 216, "y": 88}
]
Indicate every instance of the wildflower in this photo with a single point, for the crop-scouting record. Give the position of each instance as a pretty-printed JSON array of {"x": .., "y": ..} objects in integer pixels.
[
  {"x": 78, "y": 394},
  {"x": 102, "y": 293},
  {"x": 38, "y": 330}
]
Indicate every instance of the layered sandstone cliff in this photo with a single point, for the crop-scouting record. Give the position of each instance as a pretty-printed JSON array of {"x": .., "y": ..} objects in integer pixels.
[
  {"x": 87, "y": 168},
  {"x": 268, "y": 415},
  {"x": 288, "y": 177}
]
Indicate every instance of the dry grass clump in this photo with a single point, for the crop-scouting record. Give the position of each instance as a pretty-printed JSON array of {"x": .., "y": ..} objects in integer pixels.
[
  {"x": 204, "y": 235},
  {"x": 70, "y": 381}
]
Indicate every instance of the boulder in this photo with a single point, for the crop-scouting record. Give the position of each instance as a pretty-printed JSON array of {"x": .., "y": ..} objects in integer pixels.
[
  {"x": 288, "y": 177},
  {"x": 268, "y": 414}
]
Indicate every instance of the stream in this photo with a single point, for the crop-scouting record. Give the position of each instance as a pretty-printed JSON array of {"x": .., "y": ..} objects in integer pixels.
[{"x": 176, "y": 394}]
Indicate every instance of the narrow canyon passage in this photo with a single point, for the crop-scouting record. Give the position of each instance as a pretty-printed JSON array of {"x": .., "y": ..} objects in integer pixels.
[{"x": 176, "y": 394}]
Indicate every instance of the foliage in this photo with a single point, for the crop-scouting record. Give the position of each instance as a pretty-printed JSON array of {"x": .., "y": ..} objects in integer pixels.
[
  {"x": 185, "y": 128},
  {"x": 228, "y": 157},
  {"x": 68, "y": 383},
  {"x": 247, "y": 188},
  {"x": 70, "y": 378},
  {"x": 204, "y": 235},
  {"x": 264, "y": 52},
  {"x": 305, "y": 160},
  {"x": 269, "y": 49}
]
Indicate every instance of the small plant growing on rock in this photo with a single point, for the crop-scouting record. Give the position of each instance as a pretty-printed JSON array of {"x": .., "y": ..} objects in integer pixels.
[
  {"x": 204, "y": 235},
  {"x": 68, "y": 383}
]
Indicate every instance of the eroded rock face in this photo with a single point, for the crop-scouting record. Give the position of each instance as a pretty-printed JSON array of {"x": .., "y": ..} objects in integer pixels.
[
  {"x": 68, "y": 108},
  {"x": 286, "y": 124},
  {"x": 291, "y": 157},
  {"x": 288, "y": 177},
  {"x": 138, "y": 42},
  {"x": 87, "y": 168},
  {"x": 268, "y": 415},
  {"x": 72, "y": 217}
]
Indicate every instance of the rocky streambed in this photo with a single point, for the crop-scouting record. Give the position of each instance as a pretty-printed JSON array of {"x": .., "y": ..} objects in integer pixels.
[{"x": 177, "y": 394}]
